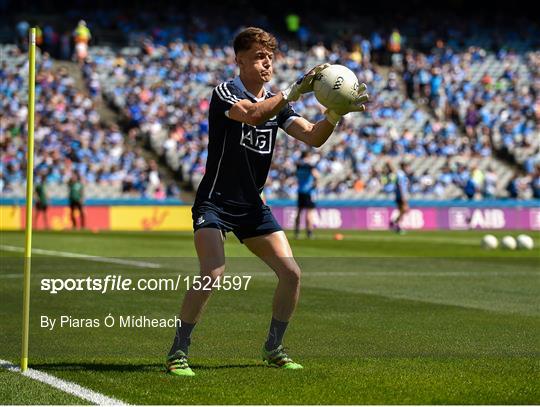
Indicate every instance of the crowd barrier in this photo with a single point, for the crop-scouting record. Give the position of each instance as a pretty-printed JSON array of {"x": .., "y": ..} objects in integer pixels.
[{"x": 148, "y": 215}]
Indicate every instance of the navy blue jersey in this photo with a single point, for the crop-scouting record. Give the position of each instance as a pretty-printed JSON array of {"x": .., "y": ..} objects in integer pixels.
[
  {"x": 306, "y": 180},
  {"x": 239, "y": 155}
]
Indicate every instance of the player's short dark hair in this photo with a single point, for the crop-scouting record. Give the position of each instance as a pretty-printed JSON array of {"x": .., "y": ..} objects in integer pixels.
[{"x": 253, "y": 35}]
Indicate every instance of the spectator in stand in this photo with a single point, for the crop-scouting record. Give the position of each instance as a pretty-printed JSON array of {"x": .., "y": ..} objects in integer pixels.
[
  {"x": 82, "y": 37},
  {"x": 513, "y": 187},
  {"x": 23, "y": 32},
  {"x": 490, "y": 184},
  {"x": 394, "y": 48}
]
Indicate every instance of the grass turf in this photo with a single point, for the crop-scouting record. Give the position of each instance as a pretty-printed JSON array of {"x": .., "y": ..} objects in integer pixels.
[{"x": 425, "y": 318}]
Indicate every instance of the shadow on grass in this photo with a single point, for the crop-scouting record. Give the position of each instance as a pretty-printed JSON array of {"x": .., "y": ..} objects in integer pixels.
[{"x": 135, "y": 367}]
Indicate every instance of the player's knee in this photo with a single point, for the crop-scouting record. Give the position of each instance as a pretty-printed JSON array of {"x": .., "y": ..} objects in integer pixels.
[
  {"x": 210, "y": 276},
  {"x": 291, "y": 274}
]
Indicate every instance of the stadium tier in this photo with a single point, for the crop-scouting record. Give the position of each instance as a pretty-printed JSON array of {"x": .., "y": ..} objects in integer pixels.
[
  {"x": 465, "y": 117},
  {"x": 70, "y": 136}
]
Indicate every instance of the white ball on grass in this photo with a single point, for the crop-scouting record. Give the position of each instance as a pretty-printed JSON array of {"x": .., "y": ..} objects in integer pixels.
[
  {"x": 525, "y": 242},
  {"x": 489, "y": 242},
  {"x": 509, "y": 243}
]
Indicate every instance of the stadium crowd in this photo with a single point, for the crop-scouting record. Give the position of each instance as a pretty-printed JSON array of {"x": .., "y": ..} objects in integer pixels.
[
  {"x": 434, "y": 97},
  {"x": 166, "y": 89},
  {"x": 70, "y": 136}
]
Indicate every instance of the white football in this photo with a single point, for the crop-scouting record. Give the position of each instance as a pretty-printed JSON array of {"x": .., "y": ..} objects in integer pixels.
[
  {"x": 489, "y": 242},
  {"x": 336, "y": 87},
  {"x": 525, "y": 242},
  {"x": 509, "y": 243}
]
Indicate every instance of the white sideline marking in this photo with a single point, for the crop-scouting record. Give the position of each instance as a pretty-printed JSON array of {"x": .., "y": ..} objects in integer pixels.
[
  {"x": 81, "y": 256},
  {"x": 401, "y": 273},
  {"x": 63, "y": 385},
  {"x": 364, "y": 274}
]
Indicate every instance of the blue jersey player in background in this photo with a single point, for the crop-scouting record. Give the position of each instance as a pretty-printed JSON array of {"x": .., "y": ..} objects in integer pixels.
[
  {"x": 307, "y": 176},
  {"x": 244, "y": 118},
  {"x": 402, "y": 195}
]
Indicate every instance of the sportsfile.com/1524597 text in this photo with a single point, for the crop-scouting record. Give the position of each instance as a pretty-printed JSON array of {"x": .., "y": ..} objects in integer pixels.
[{"x": 111, "y": 283}]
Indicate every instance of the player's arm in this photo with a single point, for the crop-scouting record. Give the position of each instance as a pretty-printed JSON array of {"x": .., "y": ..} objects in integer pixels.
[
  {"x": 316, "y": 134},
  {"x": 254, "y": 114},
  {"x": 313, "y": 134},
  {"x": 258, "y": 113},
  {"x": 316, "y": 175}
]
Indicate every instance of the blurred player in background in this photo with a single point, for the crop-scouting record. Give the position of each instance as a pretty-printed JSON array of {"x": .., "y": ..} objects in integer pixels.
[
  {"x": 76, "y": 199},
  {"x": 307, "y": 176},
  {"x": 244, "y": 118},
  {"x": 42, "y": 201},
  {"x": 401, "y": 190}
]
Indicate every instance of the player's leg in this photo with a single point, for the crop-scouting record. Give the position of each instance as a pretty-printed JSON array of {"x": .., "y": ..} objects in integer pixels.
[
  {"x": 297, "y": 222},
  {"x": 309, "y": 222},
  {"x": 403, "y": 209},
  {"x": 46, "y": 216},
  {"x": 81, "y": 216},
  {"x": 72, "y": 215},
  {"x": 36, "y": 215},
  {"x": 211, "y": 254},
  {"x": 275, "y": 251}
]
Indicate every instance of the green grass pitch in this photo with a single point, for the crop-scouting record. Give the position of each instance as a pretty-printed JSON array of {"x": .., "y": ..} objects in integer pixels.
[{"x": 425, "y": 318}]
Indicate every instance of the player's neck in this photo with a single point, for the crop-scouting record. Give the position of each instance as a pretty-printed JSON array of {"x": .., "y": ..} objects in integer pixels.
[{"x": 255, "y": 88}]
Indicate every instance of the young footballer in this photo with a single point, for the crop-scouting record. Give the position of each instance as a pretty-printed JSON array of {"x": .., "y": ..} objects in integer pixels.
[{"x": 244, "y": 118}]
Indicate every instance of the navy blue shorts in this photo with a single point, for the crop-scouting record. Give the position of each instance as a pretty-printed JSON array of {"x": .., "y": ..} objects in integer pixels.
[
  {"x": 305, "y": 201},
  {"x": 244, "y": 223}
]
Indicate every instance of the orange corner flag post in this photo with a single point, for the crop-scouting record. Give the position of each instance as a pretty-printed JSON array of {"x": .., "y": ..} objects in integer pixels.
[{"x": 29, "y": 194}]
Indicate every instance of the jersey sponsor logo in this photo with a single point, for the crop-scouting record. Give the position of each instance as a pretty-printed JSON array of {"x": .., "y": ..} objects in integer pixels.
[{"x": 258, "y": 140}]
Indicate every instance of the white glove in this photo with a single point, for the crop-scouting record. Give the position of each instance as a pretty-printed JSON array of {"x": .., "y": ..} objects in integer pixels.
[
  {"x": 357, "y": 105},
  {"x": 304, "y": 84}
]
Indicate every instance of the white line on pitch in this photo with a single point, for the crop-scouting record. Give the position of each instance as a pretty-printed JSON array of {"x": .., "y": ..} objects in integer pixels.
[
  {"x": 360, "y": 274},
  {"x": 81, "y": 256},
  {"x": 401, "y": 273},
  {"x": 63, "y": 385}
]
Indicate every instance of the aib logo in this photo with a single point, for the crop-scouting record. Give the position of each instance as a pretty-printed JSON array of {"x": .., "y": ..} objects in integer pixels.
[{"x": 338, "y": 83}]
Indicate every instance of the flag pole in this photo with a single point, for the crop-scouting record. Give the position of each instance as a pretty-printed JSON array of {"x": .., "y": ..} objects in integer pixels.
[{"x": 29, "y": 195}]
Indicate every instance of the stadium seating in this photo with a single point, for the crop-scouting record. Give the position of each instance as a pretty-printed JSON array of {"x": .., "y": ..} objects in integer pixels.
[
  {"x": 70, "y": 137},
  {"x": 455, "y": 113},
  {"x": 396, "y": 126}
]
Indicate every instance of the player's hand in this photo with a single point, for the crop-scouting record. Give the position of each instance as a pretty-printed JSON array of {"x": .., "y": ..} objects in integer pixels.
[
  {"x": 304, "y": 84},
  {"x": 356, "y": 105}
]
